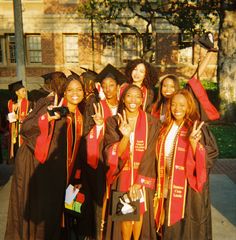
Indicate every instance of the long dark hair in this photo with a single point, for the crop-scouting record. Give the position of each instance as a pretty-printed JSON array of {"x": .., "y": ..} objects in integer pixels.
[
  {"x": 58, "y": 83},
  {"x": 121, "y": 105},
  {"x": 150, "y": 75},
  {"x": 191, "y": 114},
  {"x": 160, "y": 98}
]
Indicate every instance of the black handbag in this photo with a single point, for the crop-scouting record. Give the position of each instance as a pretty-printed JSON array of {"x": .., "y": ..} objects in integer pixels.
[{"x": 123, "y": 209}]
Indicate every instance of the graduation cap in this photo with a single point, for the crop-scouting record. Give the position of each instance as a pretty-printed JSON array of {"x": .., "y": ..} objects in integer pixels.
[
  {"x": 75, "y": 75},
  {"x": 89, "y": 70},
  {"x": 13, "y": 87},
  {"x": 206, "y": 41},
  {"x": 112, "y": 72},
  {"x": 49, "y": 76}
]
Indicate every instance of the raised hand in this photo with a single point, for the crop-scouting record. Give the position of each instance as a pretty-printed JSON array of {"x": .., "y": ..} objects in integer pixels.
[
  {"x": 124, "y": 126},
  {"x": 196, "y": 133},
  {"x": 50, "y": 107},
  {"x": 134, "y": 192},
  {"x": 97, "y": 117}
]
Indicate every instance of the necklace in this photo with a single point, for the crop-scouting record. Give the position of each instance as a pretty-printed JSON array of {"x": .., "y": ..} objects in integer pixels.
[{"x": 175, "y": 130}]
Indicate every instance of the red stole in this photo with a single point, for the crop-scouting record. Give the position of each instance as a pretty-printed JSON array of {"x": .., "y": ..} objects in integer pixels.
[
  {"x": 185, "y": 168},
  {"x": 45, "y": 137},
  {"x": 131, "y": 159},
  {"x": 93, "y": 140},
  {"x": 15, "y": 127},
  {"x": 72, "y": 146}
]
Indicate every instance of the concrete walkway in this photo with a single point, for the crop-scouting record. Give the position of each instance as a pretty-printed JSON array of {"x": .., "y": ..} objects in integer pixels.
[
  {"x": 223, "y": 199},
  {"x": 223, "y": 195}
]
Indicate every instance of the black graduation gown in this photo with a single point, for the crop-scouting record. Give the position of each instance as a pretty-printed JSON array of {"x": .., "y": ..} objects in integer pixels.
[
  {"x": 37, "y": 191},
  {"x": 149, "y": 101},
  {"x": 196, "y": 224},
  {"x": 146, "y": 168},
  {"x": 94, "y": 178}
]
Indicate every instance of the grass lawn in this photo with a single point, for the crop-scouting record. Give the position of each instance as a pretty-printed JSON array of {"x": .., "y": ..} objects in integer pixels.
[{"x": 226, "y": 139}]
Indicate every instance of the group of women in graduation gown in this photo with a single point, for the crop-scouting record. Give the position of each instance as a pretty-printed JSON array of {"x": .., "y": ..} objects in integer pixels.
[
  {"x": 196, "y": 223},
  {"x": 110, "y": 158},
  {"x": 95, "y": 139},
  {"x": 44, "y": 164}
]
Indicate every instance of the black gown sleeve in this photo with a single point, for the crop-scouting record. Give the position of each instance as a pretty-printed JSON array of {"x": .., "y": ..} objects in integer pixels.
[
  {"x": 209, "y": 142},
  {"x": 88, "y": 112},
  {"x": 111, "y": 136},
  {"x": 150, "y": 99}
]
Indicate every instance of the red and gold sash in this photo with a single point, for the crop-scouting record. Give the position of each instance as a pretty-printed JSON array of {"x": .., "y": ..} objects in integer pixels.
[
  {"x": 93, "y": 141},
  {"x": 131, "y": 160},
  {"x": 45, "y": 137},
  {"x": 72, "y": 149},
  {"x": 183, "y": 171},
  {"x": 15, "y": 127}
]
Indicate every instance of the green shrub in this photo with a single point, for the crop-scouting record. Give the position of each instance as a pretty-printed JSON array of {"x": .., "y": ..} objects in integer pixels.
[{"x": 226, "y": 139}]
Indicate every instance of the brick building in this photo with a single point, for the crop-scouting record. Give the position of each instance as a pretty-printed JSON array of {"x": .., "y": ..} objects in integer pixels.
[{"x": 56, "y": 38}]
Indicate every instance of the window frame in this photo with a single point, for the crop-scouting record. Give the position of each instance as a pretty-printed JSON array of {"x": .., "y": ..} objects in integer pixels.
[
  {"x": 2, "y": 50},
  {"x": 29, "y": 50},
  {"x": 65, "y": 49},
  {"x": 8, "y": 50}
]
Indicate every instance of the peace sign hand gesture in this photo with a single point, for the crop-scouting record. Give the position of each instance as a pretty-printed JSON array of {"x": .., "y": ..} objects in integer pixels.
[
  {"x": 54, "y": 115},
  {"x": 195, "y": 135},
  {"x": 97, "y": 117},
  {"x": 124, "y": 126}
]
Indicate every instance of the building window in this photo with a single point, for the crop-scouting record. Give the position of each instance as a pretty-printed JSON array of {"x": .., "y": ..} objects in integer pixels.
[
  {"x": 186, "y": 37},
  {"x": 108, "y": 48},
  {"x": 71, "y": 51},
  {"x": 1, "y": 50},
  {"x": 129, "y": 47},
  {"x": 11, "y": 50},
  {"x": 34, "y": 50}
]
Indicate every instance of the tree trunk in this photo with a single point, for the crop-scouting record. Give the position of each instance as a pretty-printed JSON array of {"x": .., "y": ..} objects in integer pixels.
[{"x": 227, "y": 67}]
